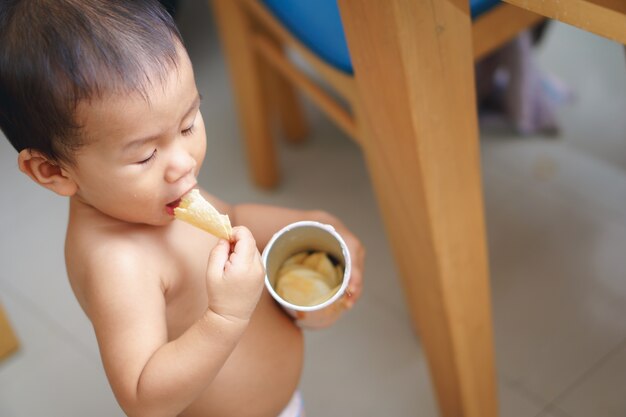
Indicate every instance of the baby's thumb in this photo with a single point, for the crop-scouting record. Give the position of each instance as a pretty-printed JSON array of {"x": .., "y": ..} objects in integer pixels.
[{"x": 217, "y": 259}]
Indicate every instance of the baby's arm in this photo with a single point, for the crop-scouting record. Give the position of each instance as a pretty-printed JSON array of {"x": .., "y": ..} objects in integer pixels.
[{"x": 149, "y": 375}]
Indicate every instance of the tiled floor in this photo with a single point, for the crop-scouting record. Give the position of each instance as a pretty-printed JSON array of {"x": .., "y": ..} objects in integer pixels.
[{"x": 556, "y": 215}]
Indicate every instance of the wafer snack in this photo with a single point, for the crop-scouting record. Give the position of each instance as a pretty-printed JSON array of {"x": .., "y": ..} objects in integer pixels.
[
  {"x": 308, "y": 279},
  {"x": 195, "y": 210}
]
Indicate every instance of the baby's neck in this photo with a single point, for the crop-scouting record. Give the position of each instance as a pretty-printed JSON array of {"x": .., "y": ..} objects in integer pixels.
[{"x": 89, "y": 217}]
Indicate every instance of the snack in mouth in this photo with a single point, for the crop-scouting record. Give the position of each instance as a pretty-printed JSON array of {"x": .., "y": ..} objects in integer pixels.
[
  {"x": 308, "y": 279},
  {"x": 195, "y": 210}
]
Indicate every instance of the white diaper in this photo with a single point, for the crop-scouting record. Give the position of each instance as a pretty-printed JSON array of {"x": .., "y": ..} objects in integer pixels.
[{"x": 295, "y": 408}]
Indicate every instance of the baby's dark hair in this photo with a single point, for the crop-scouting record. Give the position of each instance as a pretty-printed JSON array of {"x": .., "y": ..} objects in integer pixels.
[{"x": 55, "y": 54}]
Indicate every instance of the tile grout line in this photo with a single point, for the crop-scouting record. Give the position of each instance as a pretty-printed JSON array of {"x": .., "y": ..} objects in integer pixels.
[
  {"x": 530, "y": 396},
  {"x": 554, "y": 410},
  {"x": 583, "y": 377}
]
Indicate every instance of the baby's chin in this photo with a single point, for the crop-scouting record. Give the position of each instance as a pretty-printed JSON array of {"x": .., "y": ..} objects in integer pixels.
[
  {"x": 157, "y": 220},
  {"x": 167, "y": 219}
]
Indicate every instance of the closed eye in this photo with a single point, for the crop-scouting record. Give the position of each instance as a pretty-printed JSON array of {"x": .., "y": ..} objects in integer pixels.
[
  {"x": 188, "y": 131},
  {"x": 148, "y": 159}
]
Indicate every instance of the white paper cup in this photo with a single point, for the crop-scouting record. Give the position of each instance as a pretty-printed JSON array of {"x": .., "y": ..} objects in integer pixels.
[{"x": 300, "y": 237}]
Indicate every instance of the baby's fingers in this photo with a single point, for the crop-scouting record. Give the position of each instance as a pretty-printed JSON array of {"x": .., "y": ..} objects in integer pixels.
[
  {"x": 245, "y": 245},
  {"x": 218, "y": 258}
]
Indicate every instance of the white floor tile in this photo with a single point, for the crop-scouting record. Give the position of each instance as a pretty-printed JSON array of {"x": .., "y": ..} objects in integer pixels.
[
  {"x": 554, "y": 412},
  {"x": 601, "y": 392},
  {"x": 369, "y": 364},
  {"x": 50, "y": 375},
  {"x": 557, "y": 273},
  {"x": 514, "y": 402}
]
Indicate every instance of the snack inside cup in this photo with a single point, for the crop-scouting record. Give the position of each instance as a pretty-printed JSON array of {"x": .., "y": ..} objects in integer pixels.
[
  {"x": 308, "y": 278},
  {"x": 307, "y": 267}
]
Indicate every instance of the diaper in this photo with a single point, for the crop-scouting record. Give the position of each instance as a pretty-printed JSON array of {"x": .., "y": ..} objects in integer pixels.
[{"x": 295, "y": 408}]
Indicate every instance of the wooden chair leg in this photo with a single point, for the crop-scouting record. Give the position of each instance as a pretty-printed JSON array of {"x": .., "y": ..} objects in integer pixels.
[
  {"x": 235, "y": 30},
  {"x": 284, "y": 101},
  {"x": 293, "y": 122},
  {"x": 418, "y": 120},
  {"x": 8, "y": 341}
]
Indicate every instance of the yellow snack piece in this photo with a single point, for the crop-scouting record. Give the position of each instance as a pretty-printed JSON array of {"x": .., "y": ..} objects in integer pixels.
[
  {"x": 308, "y": 279},
  {"x": 325, "y": 297},
  {"x": 195, "y": 210},
  {"x": 313, "y": 260},
  {"x": 320, "y": 262},
  {"x": 290, "y": 267},
  {"x": 296, "y": 259},
  {"x": 302, "y": 287}
]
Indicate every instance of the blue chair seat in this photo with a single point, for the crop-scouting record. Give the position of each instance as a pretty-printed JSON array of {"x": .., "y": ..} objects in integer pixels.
[{"x": 317, "y": 25}]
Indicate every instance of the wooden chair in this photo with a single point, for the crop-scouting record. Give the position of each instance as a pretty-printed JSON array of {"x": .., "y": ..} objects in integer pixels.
[
  {"x": 264, "y": 77},
  {"x": 8, "y": 340}
]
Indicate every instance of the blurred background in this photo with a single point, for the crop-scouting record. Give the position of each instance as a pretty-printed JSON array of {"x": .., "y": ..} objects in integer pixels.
[{"x": 556, "y": 219}]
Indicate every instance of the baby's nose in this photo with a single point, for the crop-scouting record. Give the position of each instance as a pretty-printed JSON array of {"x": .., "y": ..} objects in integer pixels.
[{"x": 180, "y": 165}]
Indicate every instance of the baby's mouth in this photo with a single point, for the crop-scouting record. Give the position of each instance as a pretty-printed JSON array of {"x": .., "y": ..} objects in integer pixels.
[{"x": 171, "y": 206}]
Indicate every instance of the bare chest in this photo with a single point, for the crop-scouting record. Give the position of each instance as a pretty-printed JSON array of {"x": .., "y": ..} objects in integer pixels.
[{"x": 185, "y": 260}]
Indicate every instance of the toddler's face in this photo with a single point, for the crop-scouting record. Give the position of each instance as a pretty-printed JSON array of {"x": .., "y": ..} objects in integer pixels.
[{"x": 140, "y": 155}]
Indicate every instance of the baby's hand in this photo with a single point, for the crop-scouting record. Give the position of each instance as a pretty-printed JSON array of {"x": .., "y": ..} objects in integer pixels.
[{"x": 235, "y": 279}]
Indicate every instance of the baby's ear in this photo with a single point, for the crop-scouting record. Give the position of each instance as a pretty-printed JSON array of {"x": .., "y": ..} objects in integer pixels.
[{"x": 46, "y": 172}]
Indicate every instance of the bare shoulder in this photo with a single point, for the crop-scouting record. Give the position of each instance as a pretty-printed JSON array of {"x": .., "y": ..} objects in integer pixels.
[{"x": 112, "y": 264}]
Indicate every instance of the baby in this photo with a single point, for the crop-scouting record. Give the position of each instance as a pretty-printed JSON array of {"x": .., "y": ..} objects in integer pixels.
[{"x": 99, "y": 99}]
